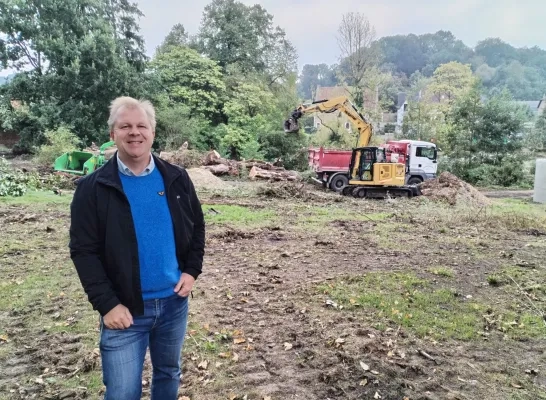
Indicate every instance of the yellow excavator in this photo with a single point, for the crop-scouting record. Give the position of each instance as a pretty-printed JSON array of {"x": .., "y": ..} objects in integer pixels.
[{"x": 369, "y": 173}]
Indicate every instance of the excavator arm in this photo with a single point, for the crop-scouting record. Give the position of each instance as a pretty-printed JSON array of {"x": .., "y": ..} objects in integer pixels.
[{"x": 342, "y": 104}]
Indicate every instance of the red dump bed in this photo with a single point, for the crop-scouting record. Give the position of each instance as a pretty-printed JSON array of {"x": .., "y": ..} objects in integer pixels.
[{"x": 323, "y": 160}]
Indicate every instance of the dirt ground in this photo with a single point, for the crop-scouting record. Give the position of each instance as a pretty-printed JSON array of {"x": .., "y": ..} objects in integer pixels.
[
  {"x": 285, "y": 308},
  {"x": 508, "y": 194}
]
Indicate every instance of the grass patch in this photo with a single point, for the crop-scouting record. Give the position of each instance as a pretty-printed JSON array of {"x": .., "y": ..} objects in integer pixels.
[
  {"x": 497, "y": 280},
  {"x": 407, "y": 300},
  {"x": 394, "y": 235},
  {"x": 438, "y": 313},
  {"x": 237, "y": 215},
  {"x": 91, "y": 380},
  {"x": 510, "y": 214},
  {"x": 211, "y": 345},
  {"x": 38, "y": 197},
  {"x": 442, "y": 271}
]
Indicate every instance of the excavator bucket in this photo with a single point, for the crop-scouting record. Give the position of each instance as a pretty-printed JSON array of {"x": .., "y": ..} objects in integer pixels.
[{"x": 291, "y": 126}]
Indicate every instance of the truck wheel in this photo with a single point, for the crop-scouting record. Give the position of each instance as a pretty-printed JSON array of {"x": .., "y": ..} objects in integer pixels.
[
  {"x": 338, "y": 182},
  {"x": 414, "y": 180}
]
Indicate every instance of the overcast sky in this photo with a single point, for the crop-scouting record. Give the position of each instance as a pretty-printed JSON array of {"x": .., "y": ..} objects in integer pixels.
[{"x": 311, "y": 25}]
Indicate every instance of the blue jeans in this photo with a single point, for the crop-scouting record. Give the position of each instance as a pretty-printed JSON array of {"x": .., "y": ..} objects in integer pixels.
[{"x": 162, "y": 328}]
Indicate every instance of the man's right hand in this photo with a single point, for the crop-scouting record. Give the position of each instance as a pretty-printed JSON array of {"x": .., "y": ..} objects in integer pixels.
[{"x": 118, "y": 317}]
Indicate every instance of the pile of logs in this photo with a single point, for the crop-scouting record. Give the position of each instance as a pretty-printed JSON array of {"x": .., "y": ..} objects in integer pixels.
[
  {"x": 257, "y": 169},
  {"x": 254, "y": 169}
]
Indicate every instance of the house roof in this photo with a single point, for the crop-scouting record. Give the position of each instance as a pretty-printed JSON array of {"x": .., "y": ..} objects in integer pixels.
[{"x": 329, "y": 92}]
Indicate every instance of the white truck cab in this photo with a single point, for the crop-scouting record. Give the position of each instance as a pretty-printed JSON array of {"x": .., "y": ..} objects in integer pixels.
[{"x": 422, "y": 163}]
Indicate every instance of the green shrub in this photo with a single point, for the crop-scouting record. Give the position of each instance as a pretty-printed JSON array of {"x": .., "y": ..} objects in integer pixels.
[
  {"x": 508, "y": 172},
  {"x": 290, "y": 148},
  {"x": 59, "y": 141},
  {"x": 12, "y": 183}
]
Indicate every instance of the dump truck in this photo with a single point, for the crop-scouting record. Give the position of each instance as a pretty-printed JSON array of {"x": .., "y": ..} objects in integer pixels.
[
  {"x": 331, "y": 166},
  {"x": 370, "y": 171}
]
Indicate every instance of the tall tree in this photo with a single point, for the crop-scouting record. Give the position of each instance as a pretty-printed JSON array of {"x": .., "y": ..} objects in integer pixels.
[
  {"x": 424, "y": 53},
  {"x": 177, "y": 37},
  {"x": 191, "y": 80},
  {"x": 124, "y": 17},
  {"x": 359, "y": 54},
  {"x": 233, "y": 33},
  {"x": 313, "y": 76},
  {"x": 75, "y": 56},
  {"x": 247, "y": 111},
  {"x": 496, "y": 52},
  {"x": 485, "y": 131},
  {"x": 450, "y": 81},
  {"x": 442, "y": 47}
]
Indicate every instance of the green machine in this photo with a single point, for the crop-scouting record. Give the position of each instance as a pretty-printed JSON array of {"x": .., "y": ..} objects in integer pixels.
[{"x": 81, "y": 162}]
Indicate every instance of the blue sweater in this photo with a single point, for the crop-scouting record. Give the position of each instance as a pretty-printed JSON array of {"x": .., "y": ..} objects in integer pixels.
[{"x": 159, "y": 271}]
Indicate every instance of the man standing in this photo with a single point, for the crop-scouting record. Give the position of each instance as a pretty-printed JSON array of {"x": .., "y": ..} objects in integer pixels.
[{"x": 137, "y": 239}]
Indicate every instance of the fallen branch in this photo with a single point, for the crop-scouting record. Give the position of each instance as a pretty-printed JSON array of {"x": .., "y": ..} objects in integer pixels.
[
  {"x": 540, "y": 313},
  {"x": 427, "y": 356}
]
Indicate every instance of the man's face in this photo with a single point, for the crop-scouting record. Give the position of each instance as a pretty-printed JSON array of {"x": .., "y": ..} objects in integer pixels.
[{"x": 132, "y": 133}]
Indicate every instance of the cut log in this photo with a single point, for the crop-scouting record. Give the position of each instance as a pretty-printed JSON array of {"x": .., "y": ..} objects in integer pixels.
[
  {"x": 167, "y": 156},
  {"x": 213, "y": 157},
  {"x": 281, "y": 175},
  {"x": 220, "y": 169}
]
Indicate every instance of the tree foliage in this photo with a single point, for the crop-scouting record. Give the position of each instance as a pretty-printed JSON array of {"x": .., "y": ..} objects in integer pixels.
[
  {"x": 485, "y": 140},
  {"x": 233, "y": 33},
  {"x": 313, "y": 76},
  {"x": 177, "y": 37},
  {"x": 497, "y": 63},
  {"x": 359, "y": 55},
  {"x": 75, "y": 57},
  {"x": 189, "y": 79},
  {"x": 450, "y": 81}
]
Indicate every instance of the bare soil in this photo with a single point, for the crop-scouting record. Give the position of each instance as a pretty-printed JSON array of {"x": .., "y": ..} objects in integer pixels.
[
  {"x": 261, "y": 327},
  {"x": 508, "y": 194}
]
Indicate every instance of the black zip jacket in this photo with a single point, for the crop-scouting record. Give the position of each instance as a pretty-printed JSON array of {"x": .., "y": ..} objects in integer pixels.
[{"x": 103, "y": 243}]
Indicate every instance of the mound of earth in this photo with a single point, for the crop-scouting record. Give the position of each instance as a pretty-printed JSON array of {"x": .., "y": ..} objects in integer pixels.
[
  {"x": 447, "y": 187},
  {"x": 204, "y": 179}
]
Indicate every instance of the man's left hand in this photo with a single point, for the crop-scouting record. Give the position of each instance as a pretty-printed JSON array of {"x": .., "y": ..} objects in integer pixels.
[{"x": 184, "y": 285}]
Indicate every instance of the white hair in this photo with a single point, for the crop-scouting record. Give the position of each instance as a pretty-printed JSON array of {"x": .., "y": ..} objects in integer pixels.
[{"x": 131, "y": 103}]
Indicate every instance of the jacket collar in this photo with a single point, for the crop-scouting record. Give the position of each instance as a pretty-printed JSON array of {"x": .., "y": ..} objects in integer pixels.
[{"x": 109, "y": 173}]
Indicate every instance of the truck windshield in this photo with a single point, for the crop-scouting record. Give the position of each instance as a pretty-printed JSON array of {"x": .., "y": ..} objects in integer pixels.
[{"x": 428, "y": 152}]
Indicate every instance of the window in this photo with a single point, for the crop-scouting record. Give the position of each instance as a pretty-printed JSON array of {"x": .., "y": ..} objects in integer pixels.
[
  {"x": 347, "y": 125},
  {"x": 428, "y": 152}
]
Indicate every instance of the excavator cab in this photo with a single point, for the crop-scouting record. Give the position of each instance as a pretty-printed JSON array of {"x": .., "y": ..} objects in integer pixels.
[{"x": 366, "y": 158}]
